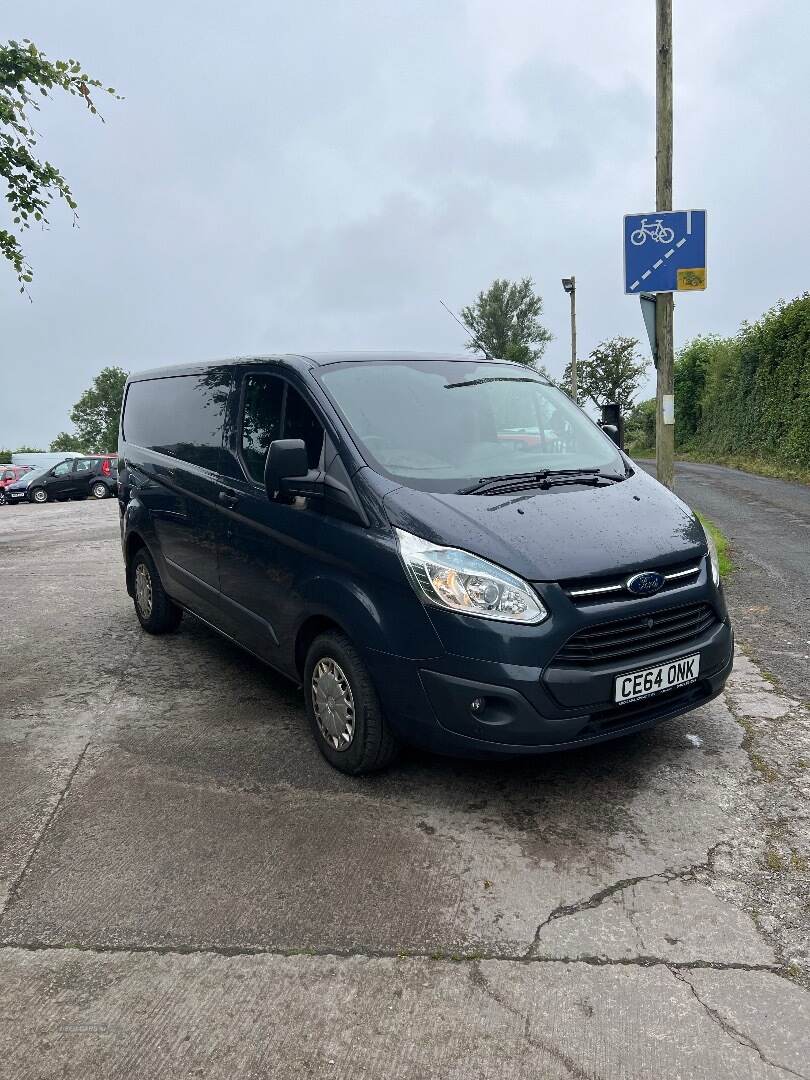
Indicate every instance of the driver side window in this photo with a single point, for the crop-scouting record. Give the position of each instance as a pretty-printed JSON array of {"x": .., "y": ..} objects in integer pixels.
[
  {"x": 261, "y": 421},
  {"x": 275, "y": 410},
  {"x": 63, "y": 469}
]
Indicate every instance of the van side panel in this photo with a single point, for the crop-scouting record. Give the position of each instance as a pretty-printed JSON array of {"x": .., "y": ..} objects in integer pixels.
[{"x": 172, "y": 446}]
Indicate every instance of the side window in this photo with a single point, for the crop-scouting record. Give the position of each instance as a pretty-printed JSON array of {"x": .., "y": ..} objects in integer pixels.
[
  {"x": 63, "y": 469},
  {"x": 261, "y": 421},
  {"x": 300, "y": 422},
  {"x": 84, "y": 465},
  {"x": 182, "y": 416}
]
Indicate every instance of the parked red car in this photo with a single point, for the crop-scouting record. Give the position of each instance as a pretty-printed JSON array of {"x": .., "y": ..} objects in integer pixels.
[{"x": 8, "y": 475}]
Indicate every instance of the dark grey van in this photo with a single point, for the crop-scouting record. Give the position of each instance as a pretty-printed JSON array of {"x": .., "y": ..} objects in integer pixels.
[{"x": 442, "y": 550}]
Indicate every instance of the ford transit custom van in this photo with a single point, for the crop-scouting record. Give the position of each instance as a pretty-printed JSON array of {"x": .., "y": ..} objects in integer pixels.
[{"x": 441, "y": 550}]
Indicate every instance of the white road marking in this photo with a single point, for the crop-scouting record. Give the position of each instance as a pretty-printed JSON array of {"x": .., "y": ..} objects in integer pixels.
[
  {"x": 635, "y": 285},
  {"x": 668, "y": 253},
  {"x": 645, "y": 275},
  {"x": 657, "y": 264},
  {"x": 681, "y": 242}
]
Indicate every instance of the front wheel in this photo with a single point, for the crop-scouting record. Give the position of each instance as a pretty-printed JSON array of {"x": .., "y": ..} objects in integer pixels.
[
  {"x": 39, "y": 495},
  {"x": 638, "y": 237},
  {"x": 2, "y": 496},
  {"x": 343, "y": 708},
  {"x": 157, "y": 612},
  {"x": 99, "y": 490}
]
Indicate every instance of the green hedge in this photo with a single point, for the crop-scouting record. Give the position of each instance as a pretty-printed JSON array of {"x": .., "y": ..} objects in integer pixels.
[{"x": 747, "y": 395}]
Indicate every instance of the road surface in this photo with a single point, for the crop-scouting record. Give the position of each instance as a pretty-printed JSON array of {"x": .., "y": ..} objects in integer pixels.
[
  {"x": 768, "y": 524},
  {"x": 188, "y": 890}
]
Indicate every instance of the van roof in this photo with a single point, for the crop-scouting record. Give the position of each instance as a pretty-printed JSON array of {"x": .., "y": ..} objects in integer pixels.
[{"x": 306, "y": 361}]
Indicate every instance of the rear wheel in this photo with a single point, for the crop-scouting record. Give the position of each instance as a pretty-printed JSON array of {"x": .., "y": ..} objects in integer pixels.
[
  {"x": 343, "y": 708},
  {"x": 99, "y": 490},
  {"x": 39, "y": 495},
  {"x": 157, "y": 612}
]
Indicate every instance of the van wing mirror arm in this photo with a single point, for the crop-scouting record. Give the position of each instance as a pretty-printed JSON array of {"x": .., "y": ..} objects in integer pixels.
[{"x": 312, "y": 483}]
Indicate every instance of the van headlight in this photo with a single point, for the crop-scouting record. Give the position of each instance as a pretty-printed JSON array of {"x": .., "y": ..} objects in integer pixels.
[
  {"x": 713, "y": 559},
  {"x": 462, "y": 582}
]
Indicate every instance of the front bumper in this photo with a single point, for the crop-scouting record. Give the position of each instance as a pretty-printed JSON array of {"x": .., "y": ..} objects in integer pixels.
[{"x": 429, "y": 704}]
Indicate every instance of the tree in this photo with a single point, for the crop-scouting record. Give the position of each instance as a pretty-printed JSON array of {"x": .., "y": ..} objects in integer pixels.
[
  {"x": 639, "y": 430},
  {"x": 95, "y": 415},
  {"x": 612, "y": 372},
  {"x": 66, "y": 443},
  {"x": 505, "y": 321},
  {"x": 32, "y": 184},
  {"x": 564, "y": 383}
]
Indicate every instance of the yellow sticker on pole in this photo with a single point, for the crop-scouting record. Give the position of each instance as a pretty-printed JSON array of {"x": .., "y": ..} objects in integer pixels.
[{"x": 693, "y": 278}]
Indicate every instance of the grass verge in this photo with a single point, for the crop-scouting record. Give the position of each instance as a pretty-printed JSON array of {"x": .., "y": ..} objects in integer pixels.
[
  {"x": 720, "y": 542},
  {"x": 757, "y": 466}
]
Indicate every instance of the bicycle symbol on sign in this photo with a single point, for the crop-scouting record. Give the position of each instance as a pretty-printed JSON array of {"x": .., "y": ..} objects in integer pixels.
[{"x": 656, "y": 231}]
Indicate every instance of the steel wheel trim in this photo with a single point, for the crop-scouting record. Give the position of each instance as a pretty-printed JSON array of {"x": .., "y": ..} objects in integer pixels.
[
  {"x": 99, "y": 490},
  {"x": 333, "y": 703},
  {"x": 143, "y": 590},
  {"x": 40, "y": 496}
]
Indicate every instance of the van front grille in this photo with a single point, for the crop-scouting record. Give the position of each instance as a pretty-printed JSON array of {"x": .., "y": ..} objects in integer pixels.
[
  {"x": 601, "y": 590},
  {"x": 623, "y": 638}
]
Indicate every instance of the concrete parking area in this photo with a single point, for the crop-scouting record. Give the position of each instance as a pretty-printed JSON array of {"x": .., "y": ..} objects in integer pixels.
[{"x": 188, "y": 890}]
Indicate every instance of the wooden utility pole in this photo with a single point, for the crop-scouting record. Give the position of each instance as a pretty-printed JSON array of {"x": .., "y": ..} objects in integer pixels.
[
  {"x": 664, "y": 400},
  {"x": 573, "y": 295}
]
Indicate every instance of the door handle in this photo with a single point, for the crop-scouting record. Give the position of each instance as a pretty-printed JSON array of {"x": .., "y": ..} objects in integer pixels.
[{"x": 228, "y": 498}]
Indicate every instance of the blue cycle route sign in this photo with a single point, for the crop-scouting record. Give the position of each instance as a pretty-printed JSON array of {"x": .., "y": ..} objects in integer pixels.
[{"x": 665, "y": 251}]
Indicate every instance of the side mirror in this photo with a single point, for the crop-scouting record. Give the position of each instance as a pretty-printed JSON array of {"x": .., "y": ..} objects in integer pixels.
[
  {"x": 286, "y": 458},
  {"x": 612, "y": 432},
  {"x": 612, "y": 422}
]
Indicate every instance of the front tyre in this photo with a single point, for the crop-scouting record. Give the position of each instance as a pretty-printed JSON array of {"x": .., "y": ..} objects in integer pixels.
[
  {"x": 39, "y": 495},
  {"x": 99, "y": 490},
  {"x": 343, "y": 708},
  {"x": 157, "y": 612}
]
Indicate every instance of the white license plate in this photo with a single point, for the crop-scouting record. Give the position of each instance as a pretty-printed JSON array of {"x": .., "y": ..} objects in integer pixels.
[{"x": 652, "y": 680}]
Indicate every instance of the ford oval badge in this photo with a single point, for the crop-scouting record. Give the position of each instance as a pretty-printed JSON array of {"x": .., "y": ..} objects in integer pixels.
[{"x": 644, "y": 584}]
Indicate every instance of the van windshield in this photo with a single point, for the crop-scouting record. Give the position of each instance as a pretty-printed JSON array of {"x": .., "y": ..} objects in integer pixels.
[{"x": 444, "y": 425}]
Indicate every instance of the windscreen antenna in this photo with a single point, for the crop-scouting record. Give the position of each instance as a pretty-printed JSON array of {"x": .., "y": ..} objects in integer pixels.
[{"x": 467, "y": 331}]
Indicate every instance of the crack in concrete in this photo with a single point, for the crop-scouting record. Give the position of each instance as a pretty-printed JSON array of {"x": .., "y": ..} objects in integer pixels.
[
  {"x": 478, "y": 979},
  {"x": 729, "y": 1029},
  {"x": 563, "y": 911},
  {"x": 472, "y": 957},
  {"x": 12, "y": 892}
]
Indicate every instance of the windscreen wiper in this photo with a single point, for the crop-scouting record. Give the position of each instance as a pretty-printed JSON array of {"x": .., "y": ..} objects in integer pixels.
[
  {"x": 496, "y": 482},
  {"x": 501, "y": 485},
  {"x": 492, "y": 378}
]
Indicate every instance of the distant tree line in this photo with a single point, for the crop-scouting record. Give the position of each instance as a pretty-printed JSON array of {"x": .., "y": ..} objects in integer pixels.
[{"x": 745, "y": 396}]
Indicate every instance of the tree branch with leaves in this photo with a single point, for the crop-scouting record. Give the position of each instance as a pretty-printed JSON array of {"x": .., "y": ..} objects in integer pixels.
[{"x": 32, "y": 184}]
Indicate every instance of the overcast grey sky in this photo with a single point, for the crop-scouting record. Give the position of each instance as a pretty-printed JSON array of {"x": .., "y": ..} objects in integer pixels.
[{"x": 313, "y": 175}]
